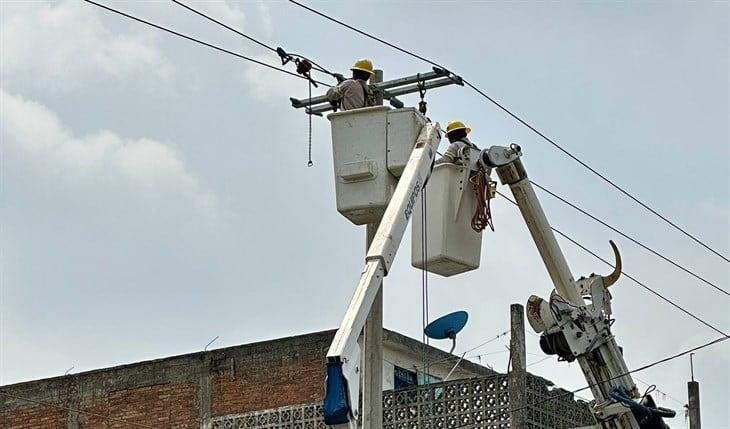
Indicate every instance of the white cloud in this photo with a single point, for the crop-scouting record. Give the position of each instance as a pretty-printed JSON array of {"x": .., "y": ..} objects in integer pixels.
[
  {"x": 61, "y": 46},
  {"x": 36, "y": 136}
]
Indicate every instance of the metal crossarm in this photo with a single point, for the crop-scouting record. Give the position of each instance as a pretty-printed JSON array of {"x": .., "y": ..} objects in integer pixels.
[{"x": 390, "y": 89}]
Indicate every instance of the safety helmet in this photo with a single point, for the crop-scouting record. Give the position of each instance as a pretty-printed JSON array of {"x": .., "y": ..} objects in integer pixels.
[
  {"x": 363, "y": 64},
  {"x": 456, "y": 125}
]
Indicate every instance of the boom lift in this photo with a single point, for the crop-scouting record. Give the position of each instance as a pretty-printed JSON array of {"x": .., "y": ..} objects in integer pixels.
[{"x": 375, "y": 183}]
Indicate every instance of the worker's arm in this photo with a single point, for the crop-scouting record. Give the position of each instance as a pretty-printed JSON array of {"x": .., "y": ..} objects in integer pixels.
[
  {"x": 452, "y": 152},
  {"x": 337, "y": 92}
]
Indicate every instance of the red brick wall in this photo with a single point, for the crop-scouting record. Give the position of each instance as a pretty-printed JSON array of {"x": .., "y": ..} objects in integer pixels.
[
  {"x": 288, "y": 384},
  {"x": 169, "y": 406},
  {"x": 174, "y": 393},
  {"x": 33, "y": 417}
]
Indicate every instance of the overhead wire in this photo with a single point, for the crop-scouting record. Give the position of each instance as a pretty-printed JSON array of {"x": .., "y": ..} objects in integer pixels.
[
  {"x": 75, "y": 410},
  {"x": 595, "y": 255},
  {"x": 660, "y": 391},
  {"x": 523, "y": 122},
  {"x": 469, "y": 350},
  {"x": 198, "y": 41},
  {"x": 191, "y": 9},
  {"x": 277, "y": 51},
  {"x": 639, "y": 369},
  {"x": 628, "y": 237}
]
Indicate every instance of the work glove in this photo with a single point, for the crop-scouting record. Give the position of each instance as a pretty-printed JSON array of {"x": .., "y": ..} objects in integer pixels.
[{"x": 339, "y": 77}]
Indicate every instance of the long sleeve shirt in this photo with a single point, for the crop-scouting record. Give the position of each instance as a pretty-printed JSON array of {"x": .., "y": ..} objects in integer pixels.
[
  {"x": 354, "y": 94},
  {"x": 452, "y": 153}
]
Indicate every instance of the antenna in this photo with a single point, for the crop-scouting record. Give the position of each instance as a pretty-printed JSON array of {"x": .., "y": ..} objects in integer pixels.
[
  {"x": 205, "y": 349},
  {"x": 447, "y": 327}
]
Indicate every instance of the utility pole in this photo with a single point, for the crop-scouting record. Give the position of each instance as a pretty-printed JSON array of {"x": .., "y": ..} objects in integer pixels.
[
  {"x": 517, "y": 377},
  {"x": 372, "y": 385},
  {"x": 693, "y": 396}
]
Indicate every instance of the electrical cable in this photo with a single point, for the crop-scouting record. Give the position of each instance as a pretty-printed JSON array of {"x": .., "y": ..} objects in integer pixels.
[
  {"x": 470, "y": 350},
  {"x": 201, "y": 42},
  {"x": 639, "y": 369},
  {"x": 74, "y": 410},
  {"x": 191, "y": 9},
  {"x": 660, "y": 391},
  {"x": 523, "y": 122},
  {"x": 250, "y": 38},
  {"x": 538, "y": 361},
  {"x": 633, "y": 240},
  {"x": 595, "y": 255}
]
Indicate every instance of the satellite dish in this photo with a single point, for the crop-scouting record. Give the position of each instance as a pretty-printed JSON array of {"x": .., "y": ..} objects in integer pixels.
[{"x": 447, "y": 326}]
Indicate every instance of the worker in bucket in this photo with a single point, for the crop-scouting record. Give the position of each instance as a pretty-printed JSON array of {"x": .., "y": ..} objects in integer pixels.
[
  {"x": 353, "y": 93},
  {"x": 457, "y": 133}
]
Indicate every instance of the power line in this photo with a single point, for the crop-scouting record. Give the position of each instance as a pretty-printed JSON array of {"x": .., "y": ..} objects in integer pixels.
[
  {"x": 74, "y": 410},
  {"x": 639, "y": 369},
  {"x": 633, "y": 240},
  {"x": 523, "y": 122},
  {"x": 467, "y": 351},
  {"x": 538, "y": 361},
  {"x": 660, "y": 391},
  {"x": 279, "y": 51},
  {"x": 201, "y": 42},
  {"x": 258, "y": 42},
  {"x": 595, "y": 255}
]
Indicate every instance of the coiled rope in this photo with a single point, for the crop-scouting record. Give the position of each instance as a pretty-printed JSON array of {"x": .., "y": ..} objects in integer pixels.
[{"x": 483, "y": 191}]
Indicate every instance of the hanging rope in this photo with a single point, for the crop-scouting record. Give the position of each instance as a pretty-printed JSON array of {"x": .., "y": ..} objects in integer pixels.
[
  {"x": 309, "y": 114},
  {"x": 484, "y": 191},
  {"x": 304, "y": 68},
  {"x": 424, "y": 279}
]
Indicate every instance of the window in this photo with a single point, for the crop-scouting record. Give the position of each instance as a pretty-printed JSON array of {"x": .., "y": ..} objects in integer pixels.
[
  {"x": 403, "y": 378},
  {"x": 424, "y": 378}
]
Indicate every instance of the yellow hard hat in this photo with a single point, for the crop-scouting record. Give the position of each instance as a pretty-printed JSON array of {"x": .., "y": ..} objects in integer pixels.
[
  {"x": 363, "y": 64},
  {"x": 456, "y": 125}
]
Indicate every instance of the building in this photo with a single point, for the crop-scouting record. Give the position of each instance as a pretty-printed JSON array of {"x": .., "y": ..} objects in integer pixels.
[{"x": 270, "y": 384}]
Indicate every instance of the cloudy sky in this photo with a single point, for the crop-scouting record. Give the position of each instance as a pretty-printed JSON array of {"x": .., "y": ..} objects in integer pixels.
[{"x": 155, "y": 193}]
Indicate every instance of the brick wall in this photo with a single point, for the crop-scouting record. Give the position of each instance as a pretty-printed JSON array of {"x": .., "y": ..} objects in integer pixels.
[
  {"x": 187, "y": 391},
  {"x": 177, "y": 392}
]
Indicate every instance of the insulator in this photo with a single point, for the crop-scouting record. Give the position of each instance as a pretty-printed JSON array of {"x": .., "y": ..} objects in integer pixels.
[{"x": 303, "y": 67}]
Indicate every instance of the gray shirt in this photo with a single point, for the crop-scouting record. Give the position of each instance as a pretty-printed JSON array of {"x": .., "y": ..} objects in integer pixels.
[
  {"x": 452, "y": 152},
  {"x": 354, "y": 94}
]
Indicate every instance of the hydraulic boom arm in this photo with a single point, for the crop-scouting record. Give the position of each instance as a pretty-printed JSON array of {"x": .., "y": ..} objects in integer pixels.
[
  {"x": 571, "y": 327},
  {"x": 342, "y": 387}
]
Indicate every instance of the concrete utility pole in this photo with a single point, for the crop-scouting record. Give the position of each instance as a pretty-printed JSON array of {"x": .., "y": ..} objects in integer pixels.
[
  {"x": 517, "y": 376},
  {"x": 693, "y": 396},
  {"x": 372, "y": 365}
]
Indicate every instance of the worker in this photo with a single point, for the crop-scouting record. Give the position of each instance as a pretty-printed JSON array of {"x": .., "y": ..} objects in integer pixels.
[
  {"x": 354, "y": 93},
  {"x": 457, "y": 133}
]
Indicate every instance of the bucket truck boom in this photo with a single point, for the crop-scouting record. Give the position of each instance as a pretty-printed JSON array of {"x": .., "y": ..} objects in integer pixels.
[
  {"x": 343, "y": 357},
  {"x": 575, "y": 323}
]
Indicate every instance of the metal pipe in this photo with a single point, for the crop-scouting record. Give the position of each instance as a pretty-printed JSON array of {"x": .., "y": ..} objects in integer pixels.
[
  {"x": 318, "y": 110},
  {"x": 384, "y": 86}
]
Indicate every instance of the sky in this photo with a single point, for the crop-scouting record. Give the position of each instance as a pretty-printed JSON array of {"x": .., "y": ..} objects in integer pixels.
[{"x": 156, "y": 194}]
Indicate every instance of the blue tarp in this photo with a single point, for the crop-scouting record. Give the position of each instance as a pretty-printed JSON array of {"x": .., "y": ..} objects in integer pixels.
[{"x": 336, "y": 404}]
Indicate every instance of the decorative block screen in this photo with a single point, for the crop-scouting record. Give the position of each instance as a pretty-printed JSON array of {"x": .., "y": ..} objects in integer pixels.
[{"x": 467, "y": 403}]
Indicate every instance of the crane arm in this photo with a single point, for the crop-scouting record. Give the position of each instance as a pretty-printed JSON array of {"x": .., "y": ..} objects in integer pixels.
[
  {"x": 342, "y": 386},
  {"x": 571, "y": 327}
]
